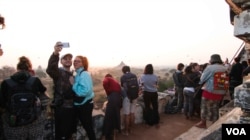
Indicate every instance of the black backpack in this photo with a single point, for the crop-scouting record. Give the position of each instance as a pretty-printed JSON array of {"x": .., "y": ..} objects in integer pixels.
[
  {"x": 23, "y": 105},
  {"x": 170, "y": 107},
  {"x": 132, "y": 87}
]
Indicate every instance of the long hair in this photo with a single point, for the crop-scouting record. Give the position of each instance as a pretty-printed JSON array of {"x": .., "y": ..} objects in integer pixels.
[
  {"x": 85, "y": 62},
  {"x": 188, "y": 70},
  {"x": 149, "y": 69}
]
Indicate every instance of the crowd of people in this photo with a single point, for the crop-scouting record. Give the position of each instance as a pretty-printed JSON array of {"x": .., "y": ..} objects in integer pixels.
[
  {"x": 196, "y": 90},
  {"x": 72, "y": 99},
  {"x": 197, "y": 87},
  {"x": 73, "y": 95}
]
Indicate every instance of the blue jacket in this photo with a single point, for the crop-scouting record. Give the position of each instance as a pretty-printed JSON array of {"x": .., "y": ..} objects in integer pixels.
[
  {"x": 83, "y": 85},
  {"x": 207, "y": 77}
]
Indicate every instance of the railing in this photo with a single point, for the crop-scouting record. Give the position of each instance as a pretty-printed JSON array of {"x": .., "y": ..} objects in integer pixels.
[{"x": 239, "y": 52}]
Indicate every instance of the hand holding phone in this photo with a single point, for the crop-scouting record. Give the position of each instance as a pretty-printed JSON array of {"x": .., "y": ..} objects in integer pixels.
[{"x": 65, "y": 44}]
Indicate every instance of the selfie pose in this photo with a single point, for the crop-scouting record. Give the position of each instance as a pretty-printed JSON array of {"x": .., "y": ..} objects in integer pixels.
[
  {"x": 64, "y": 114},
  {"x": 84, "y": 94}
]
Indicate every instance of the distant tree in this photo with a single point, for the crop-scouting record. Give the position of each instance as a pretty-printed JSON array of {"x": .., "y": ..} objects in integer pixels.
[
  {"x": 167, "y": 74},
  {"x": 165, "y": 83},
  {"x": 6, "y": 72},
  {"x": 97, "y": 81},
  {"x": 172, "y": 71}
]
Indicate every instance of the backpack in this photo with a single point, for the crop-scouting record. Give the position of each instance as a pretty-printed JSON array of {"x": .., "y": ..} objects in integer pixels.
[
  {"x": 170, "y": 107},
  {"x": 221, "y": 81},
  {"x": 23, "y": 105},
  {"x": 132, "y": 87}
]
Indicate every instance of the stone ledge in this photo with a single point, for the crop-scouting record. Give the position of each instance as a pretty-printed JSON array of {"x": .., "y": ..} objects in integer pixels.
[{"x": 214, "y": 130}]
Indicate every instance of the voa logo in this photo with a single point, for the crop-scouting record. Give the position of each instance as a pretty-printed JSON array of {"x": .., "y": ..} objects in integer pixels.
[{"x": 236, "y": 131}]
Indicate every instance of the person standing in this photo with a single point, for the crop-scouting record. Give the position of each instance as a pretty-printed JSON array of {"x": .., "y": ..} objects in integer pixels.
[
  {"x": 21, "y": 82},
  {"x": 246, "y": 71},
  {"x": 129, "y": 105},
  {"x": 179, "y": 84},
  {"x": 211, "y": 96},
  {"x": 191, "y": 79},
  {"x": 244, "y": 64},
  {"x": 112, "y": 119},
  {"x": 149, "y": 83},
  {"x": 84, "y": 94},
  {"x": 2, "y": 22},
  {"x": 235, "y": 76},
  {"x": 227, "y": 64},
  {"x": 197, "y": 95},
  {"x": 29, "y": 64},
  {"x": 1, "y": 51},
  {"x": 64, "y": 114}
]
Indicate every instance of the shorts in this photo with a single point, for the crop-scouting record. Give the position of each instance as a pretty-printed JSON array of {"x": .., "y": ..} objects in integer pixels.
[{"x": 128, "y": 107}]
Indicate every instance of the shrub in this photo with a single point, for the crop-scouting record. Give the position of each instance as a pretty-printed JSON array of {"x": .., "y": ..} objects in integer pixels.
[{"x": 165, "y": 84}]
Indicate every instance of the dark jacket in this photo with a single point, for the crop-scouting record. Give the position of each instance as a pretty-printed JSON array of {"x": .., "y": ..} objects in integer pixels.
[
  {"x": 246, "y": 71},
  {"x": 178, "y": 79},
  {"x": 62, "y": 86},
  {"x": 191, "y": 80},
  {"x": 20, "y": 77},
  {"x": 236, "y": 72}
]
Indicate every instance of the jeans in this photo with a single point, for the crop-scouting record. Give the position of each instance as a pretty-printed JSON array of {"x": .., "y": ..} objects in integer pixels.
[
  {"x": 179, "y": 91},
  {"x": 188, "y": 103}
]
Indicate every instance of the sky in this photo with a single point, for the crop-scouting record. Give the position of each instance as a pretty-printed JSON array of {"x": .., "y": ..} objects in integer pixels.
[{"x": 137, "y": 32}]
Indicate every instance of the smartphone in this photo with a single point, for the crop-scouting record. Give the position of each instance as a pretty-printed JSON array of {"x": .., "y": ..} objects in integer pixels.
[{"x": 65, "y": 44}]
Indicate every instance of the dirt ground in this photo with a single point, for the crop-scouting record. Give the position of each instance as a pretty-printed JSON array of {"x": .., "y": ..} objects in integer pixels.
[{"x": 171, "y": 126}]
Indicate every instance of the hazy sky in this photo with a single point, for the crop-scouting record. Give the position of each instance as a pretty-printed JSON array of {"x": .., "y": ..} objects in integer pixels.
[{"x": 138, "y": 32}]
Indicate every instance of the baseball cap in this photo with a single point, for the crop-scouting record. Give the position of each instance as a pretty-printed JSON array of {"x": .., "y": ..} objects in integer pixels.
[{"x": 65, "y": 55}]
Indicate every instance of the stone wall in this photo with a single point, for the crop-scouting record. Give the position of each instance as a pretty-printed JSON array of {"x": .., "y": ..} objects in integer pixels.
[{"x": 98, "y": 115}]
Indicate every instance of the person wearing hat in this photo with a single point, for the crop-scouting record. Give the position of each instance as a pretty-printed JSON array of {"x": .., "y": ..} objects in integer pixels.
[
  {"x": 64, "y": 114},
  {"x": 211, "y": 95}
]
